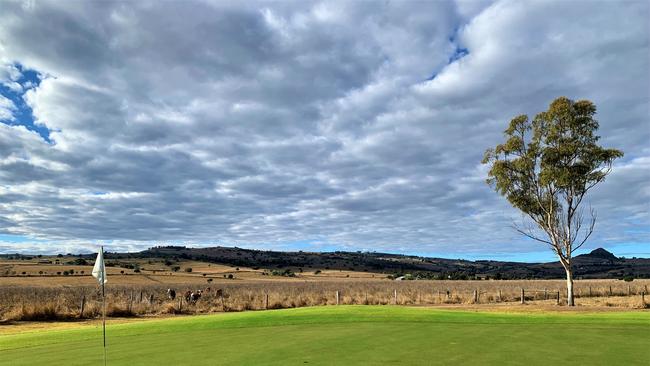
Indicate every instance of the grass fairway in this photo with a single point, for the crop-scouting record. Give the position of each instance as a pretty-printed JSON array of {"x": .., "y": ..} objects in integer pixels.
[{"x": 347, "y": 335}]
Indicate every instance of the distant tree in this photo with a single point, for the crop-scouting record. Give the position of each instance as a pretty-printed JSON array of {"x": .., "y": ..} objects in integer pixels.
[{"x": 545, "y": 168}]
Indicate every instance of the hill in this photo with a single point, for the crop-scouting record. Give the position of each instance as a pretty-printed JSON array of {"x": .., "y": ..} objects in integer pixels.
[{"x": 600, "y": 263}]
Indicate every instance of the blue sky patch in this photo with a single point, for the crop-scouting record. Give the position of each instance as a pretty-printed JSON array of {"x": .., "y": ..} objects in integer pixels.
[{"x": 23, "y": 115}]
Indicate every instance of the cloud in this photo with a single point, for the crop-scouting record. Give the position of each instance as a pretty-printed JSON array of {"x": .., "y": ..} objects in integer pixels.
[{"x": 350, "y": 125}]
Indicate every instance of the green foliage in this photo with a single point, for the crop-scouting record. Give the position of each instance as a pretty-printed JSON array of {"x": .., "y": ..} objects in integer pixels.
[
  {"x": 560, "y": 158},
  {"x": 546, "y": 166},
  {"x": 628, "y": 278},
  {"x": 286, "y": 273}
]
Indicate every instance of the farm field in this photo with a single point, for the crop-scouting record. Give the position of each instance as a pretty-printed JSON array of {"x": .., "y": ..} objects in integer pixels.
[{"x": 344, "y": 335}]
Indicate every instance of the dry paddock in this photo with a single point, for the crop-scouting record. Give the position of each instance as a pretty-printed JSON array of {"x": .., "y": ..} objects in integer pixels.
[{"x": 60, "y": 302}]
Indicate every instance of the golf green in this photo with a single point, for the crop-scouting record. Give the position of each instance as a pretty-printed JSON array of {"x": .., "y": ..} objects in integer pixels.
[{"x": 346, "y": 335}]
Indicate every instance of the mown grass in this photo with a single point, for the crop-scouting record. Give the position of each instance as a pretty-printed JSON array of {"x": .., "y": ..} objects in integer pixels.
[{"x": 346, "y": 335}]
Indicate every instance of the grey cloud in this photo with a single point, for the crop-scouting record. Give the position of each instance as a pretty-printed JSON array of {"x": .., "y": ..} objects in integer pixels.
[{"x": 263, "y": 124}]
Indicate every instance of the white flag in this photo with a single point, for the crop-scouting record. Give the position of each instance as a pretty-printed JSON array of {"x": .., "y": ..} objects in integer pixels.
[{"x": 99, "y": 271}]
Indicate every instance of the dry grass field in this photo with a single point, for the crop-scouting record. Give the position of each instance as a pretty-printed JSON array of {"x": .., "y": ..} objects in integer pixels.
[{"x": 35, "y": 290}]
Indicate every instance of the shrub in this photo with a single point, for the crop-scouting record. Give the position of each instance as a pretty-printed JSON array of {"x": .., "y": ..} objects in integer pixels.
[{"x": 188, "y": 269}]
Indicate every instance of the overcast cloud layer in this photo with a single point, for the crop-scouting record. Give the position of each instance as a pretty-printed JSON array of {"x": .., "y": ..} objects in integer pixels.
[{"x": 353, "y": 125}]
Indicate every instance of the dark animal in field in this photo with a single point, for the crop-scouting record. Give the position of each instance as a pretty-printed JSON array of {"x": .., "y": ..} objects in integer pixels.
[
  {"x": 187, "y": 295},
  {"x": 195, "y": 296},
  {"x": 171, "y": 294},
  {"x": 219, "y": 293}
]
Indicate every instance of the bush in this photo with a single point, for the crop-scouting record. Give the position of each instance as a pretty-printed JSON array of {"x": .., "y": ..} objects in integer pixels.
[
  {"x": 188, "y": 269},
  {"x": 230, "y": 276},
  {"x": 628, "y": 278}
]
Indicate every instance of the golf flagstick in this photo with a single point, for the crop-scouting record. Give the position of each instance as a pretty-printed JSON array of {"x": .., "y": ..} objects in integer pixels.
[{"x": 99, "y": 272}]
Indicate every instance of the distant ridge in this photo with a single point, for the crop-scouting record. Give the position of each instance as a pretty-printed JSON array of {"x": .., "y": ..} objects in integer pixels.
[{"x": 600, "y": 263}]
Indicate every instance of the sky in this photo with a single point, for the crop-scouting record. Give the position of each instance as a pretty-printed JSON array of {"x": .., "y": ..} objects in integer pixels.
[{"x": 352, "y": 125}]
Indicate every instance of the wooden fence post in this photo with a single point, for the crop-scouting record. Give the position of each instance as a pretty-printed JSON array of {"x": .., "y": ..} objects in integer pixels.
[
  {"x": 395, "y": 296},
  {"x": 180, "y": 304},
  {"x": 83, "y": 304},
  {"x": 499, "y": 298},
  {"x": 475, "y": 296},
  {"x": 545, "y": 295},
  {"x": 266, "y": 301},
  {"x": 337, "y": 297},
  {"x": 629, "y": 290},
  {"x": 643, "y": 298},
  {"x": 140, "y": 296},
  {"x": 523, "y": 298},
  {"x": 558, "y": 298},
  {"x": 610, "y": 290},
  {"x": 150, "y": 299},
  {"x": 448, "y": 294},
  {"x": 589, "y": 291}
]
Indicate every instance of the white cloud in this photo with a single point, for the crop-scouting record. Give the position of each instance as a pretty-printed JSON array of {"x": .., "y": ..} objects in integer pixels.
[{"x": 214, "y": 122}]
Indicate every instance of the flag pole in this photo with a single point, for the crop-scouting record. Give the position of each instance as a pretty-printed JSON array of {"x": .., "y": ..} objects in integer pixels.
[
  {"x": 99, "y": 272},
  {"x": 104, "y": 310}
]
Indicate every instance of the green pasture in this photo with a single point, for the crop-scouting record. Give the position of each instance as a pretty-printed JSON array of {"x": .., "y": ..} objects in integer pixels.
[{"x": 347, "y": 335}]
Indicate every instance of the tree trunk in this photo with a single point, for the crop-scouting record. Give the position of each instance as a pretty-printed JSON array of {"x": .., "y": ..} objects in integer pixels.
[{"x": 569, "y": 287}]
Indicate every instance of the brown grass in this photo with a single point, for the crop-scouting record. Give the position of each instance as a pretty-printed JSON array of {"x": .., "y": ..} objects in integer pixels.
[{"x": 63, "y": 302}]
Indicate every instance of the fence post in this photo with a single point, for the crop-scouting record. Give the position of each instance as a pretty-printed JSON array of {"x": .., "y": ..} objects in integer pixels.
[
  {"x": 558, "y": 298},
  {"x": 83, "y": 303},
  {"x": 589, "y": 291},
  {"x": 610, "y": 290},
  {"x": 629, "y": 290},
  {"x": 448, "y": 294},
  {"x": 140, "y": 296},
  {"x": 545, "y": 295},
  {"x": 180, "y": 304},
  {"x": 150, "y": 299},
  {"x": 475, "y": 296},
  {"x": 643, "y": 298},
  {"x": 266, "y": 301},
  {"x": 395, "y": 296},
  {"x": 523, "y": 298},
  {"x": 337, "y": 297},
  {"x": 499, "y": 298}
]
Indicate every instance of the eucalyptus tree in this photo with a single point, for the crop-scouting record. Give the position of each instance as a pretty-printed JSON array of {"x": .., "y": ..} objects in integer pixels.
[{"x": 545, "y": 168}]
